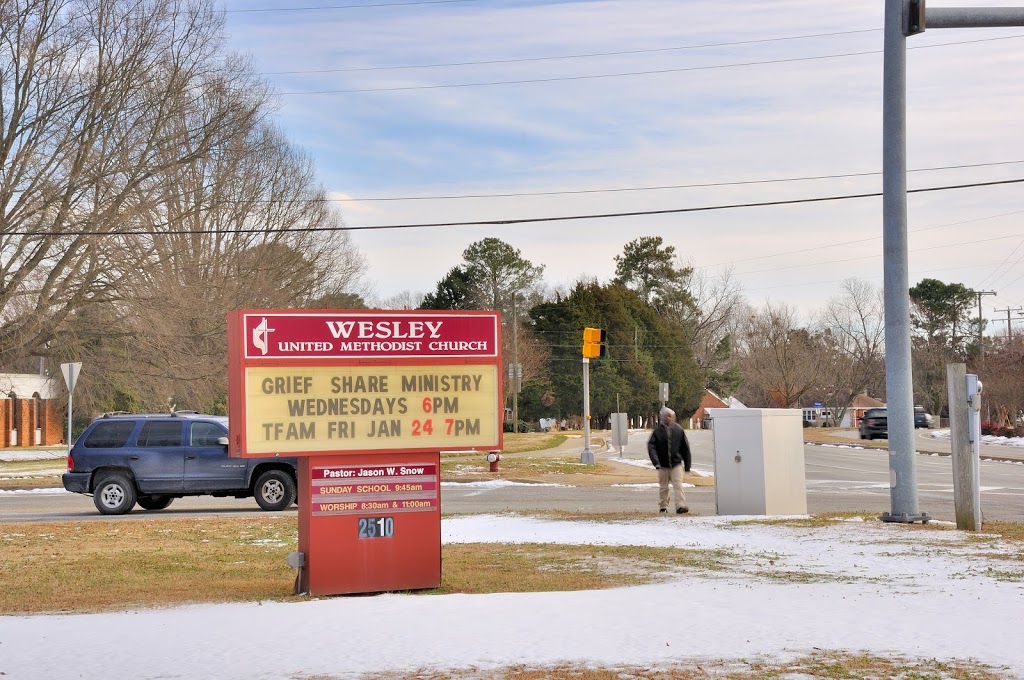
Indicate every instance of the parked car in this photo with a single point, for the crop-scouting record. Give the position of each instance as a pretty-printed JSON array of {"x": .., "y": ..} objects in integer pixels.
[
  {"x": 921, "y": 417},
  {"x": 874, "y": 423},
  {"x": 153, "y": 458}
]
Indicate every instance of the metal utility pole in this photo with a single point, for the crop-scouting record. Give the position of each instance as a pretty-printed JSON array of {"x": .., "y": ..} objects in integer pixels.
[
  {"x": 1009, "y": 321},
  {"x": 904, "y": 18},
  {"x": 587, "y": 456},
  {"x": 516, "y": 369},
  {"x": 981, "y": 321}
]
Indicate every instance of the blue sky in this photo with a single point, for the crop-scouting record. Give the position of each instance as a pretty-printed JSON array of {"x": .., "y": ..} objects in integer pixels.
[{"x": 648, "y": 93}]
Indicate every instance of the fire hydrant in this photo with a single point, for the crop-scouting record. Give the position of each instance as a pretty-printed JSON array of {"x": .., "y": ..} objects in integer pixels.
[{"x": 493, "y": 457}]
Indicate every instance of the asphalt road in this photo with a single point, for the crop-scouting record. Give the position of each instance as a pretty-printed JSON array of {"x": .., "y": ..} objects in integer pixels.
[
  {"x": 924, "y": 442},
  {"x": 838, "y": 479}
]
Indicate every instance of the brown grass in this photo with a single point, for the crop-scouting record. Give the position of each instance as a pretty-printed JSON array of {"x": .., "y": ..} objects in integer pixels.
[
  {"x": 175, "y": 560},
  {"x": 88, "y": 566},
  {"x": 165, "y": 561},
  {"x": 831, "y": 435},
  {"x": 519, "y": 442},
  {"x": 820, "y": 664},
  {"x": 31, "y": 474}
]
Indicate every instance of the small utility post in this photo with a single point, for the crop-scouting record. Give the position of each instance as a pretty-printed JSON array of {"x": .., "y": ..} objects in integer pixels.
[
  {"x": 70, "y": 371},
  {"x": 981, "y": 321},
  {"x": 965, "y": 439},
  {"x": 905, "y": 18},
  {"x": 1009, "y": 321}
]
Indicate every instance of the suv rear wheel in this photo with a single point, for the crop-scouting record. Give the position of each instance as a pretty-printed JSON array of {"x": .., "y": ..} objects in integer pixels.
[
  {"x": 114, "y": 494},
  {"x": 155, "y": 502},
  {"x": 274, "y": 490}
]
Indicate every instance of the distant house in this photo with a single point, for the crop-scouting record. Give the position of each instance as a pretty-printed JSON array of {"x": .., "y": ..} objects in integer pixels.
[
  {"x": 30, "y": 411},
  {"x": 701, "y": 419},
  {"x": 822, "y": 413},
  {"x": 862, "y": 402}
]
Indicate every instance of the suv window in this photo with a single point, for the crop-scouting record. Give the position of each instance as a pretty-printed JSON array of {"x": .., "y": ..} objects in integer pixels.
[
  {"x": 206, "y": 434},
  {"x": 875, "y": 413},
  {"x": 112, "y": 435},
  {"x": 160, "y": 433}
]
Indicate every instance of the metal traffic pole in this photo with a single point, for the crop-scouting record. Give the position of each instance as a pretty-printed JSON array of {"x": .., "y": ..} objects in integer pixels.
[
  {"x": 904, "y": 18},
  {"x": 587, "y": 457}
]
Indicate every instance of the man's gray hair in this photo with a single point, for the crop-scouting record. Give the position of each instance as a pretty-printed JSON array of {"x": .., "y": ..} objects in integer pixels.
[{"x": 665, "y": 412}]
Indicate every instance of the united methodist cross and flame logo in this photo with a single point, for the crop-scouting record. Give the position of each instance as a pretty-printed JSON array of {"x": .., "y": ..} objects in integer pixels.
[{"x": 261, "y": 336}]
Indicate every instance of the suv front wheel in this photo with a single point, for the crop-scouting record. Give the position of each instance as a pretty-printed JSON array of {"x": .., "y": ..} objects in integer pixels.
[
  {"x": 114, "y": 494},
  {"x": 274, "y": 490}
]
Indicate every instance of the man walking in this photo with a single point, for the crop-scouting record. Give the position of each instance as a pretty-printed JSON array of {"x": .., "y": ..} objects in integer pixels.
[{"x": 670, "y": 452}]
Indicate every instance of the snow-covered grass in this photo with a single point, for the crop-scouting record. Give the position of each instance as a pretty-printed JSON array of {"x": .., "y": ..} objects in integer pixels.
[
  {"x": 985, "y": 439},
  {"x": 856, "y": 586}
]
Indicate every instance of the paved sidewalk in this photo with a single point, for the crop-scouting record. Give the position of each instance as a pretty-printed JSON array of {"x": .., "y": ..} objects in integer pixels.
[{"x": 38, "y": 453}]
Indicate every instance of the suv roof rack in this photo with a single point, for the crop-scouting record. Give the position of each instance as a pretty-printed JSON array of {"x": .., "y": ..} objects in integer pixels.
[
  {"x": 184, "y": 412},
  {"x": 108, "y": 414}
]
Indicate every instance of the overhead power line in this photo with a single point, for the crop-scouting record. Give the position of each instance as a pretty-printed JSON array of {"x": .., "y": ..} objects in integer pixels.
[
  {"x": 819, "y": 263},
  {"x": 588, "y": 55},
  {"x": 627, "y": 74},
  {"x": 360, "y": 6},
  {"x": 702, "y": 185},
  {"x": 804, "y": 284},
  {"x": 525, "y": 220},
  {"x": 840, "y": 244}
]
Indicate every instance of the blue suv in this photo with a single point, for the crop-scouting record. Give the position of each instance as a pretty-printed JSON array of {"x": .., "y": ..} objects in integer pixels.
[{"x": 151, "y": 459}]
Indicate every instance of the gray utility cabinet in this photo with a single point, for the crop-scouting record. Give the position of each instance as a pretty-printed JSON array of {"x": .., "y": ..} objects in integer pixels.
[{"x": 759, "y": 461}]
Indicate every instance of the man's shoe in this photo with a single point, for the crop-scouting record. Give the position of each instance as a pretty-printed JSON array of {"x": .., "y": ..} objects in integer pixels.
[
  {"x": 663, "y": 510},
  {"x": 682, "y": 511}
]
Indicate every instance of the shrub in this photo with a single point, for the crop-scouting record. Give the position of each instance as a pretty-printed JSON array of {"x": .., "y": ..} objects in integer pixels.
[{"x": 521, "y": 426}]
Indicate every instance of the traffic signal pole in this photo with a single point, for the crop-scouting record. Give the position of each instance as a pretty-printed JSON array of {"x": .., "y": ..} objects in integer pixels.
[
  {"x": 587, "y": 457},
  {"x": 905, "y": 18},
  {"x": 593, "y": 348}
]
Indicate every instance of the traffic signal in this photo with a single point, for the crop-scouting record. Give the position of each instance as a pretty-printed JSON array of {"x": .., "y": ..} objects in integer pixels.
[{"x": 593, "y": 343}]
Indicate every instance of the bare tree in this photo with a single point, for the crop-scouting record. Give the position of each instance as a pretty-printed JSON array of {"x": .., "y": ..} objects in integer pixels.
[
  {"x": 778, "y": 356},
  {"x": 407, "y": 299},
  {"x": 852, "y": 338},
  {"x": 247, "y": 227},
  {"x": 144, "y": 195},
  {"x": 1002, "y": 375},
  {"x": 706, "y": 316},
  {"x": 93, "y": 93}
]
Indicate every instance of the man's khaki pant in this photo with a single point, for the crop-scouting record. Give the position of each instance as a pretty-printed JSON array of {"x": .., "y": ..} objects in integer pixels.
[{"x": 674, "y": 475}]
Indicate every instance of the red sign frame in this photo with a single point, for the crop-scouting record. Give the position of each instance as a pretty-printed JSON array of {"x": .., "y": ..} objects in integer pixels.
[{"x": 289, "y": 354}]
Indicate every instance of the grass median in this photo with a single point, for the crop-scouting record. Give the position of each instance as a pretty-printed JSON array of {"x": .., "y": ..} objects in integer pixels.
[{"x": 176, "y": 560}]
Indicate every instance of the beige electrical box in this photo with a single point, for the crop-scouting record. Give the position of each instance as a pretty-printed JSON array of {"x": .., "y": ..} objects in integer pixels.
[{"x": 759, "y": 461}]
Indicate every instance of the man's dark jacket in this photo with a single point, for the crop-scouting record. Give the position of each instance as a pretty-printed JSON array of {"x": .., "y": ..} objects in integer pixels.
[{"x": 658, "y": 447}]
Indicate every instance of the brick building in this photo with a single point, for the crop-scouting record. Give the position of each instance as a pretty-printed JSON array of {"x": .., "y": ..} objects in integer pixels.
[
  {"x": 31, "y": 411},
  {"x": 701, "y": 419}
]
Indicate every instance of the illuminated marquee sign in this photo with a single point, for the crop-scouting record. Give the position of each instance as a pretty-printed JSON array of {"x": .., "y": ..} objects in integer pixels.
[
  {"x": 354, "y": 335},
  {"x": 363, "y": 381}
]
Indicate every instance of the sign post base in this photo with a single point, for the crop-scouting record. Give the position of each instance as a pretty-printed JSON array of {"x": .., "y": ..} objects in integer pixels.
[{"x": 369, "y": 523}]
